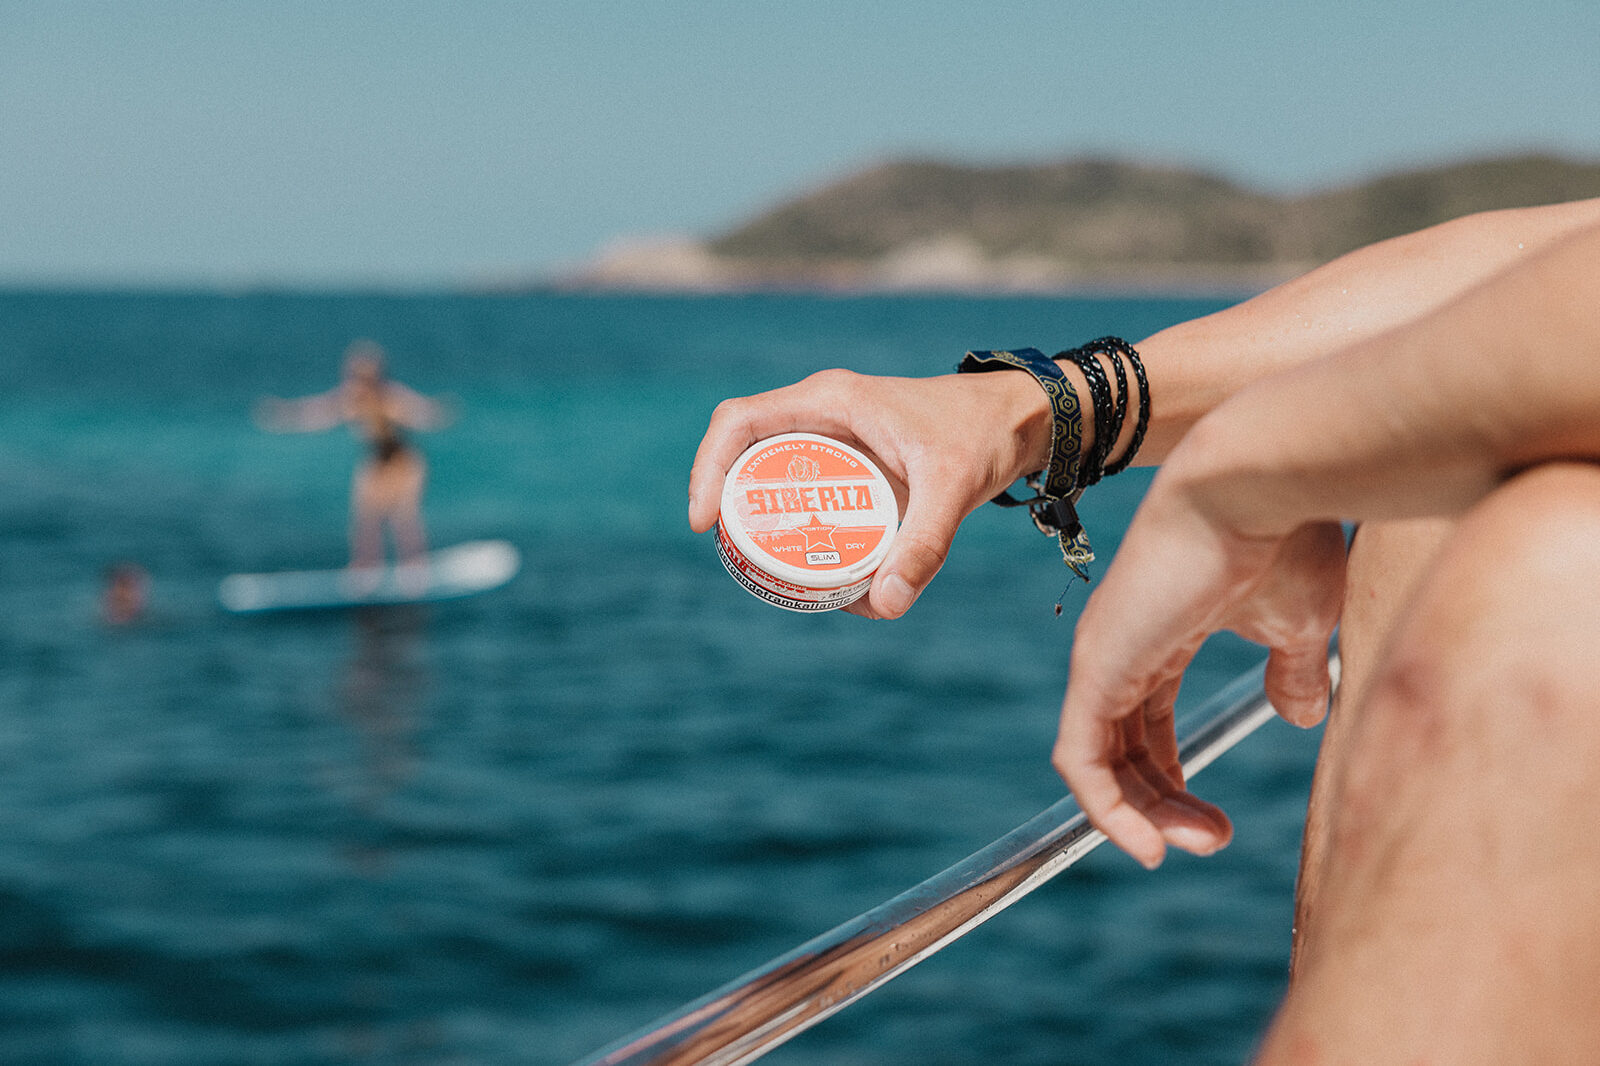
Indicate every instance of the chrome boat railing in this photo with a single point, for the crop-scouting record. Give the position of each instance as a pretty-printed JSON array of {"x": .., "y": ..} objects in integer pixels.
[{"x": 741, "y": 1021}]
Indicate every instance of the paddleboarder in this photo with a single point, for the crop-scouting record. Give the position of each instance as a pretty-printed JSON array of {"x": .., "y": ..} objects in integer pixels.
[{"x": 387, "y": 487}]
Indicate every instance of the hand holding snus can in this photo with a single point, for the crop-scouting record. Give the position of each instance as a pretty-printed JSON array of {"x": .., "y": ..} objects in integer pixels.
[{"x": 805, "y": 522}]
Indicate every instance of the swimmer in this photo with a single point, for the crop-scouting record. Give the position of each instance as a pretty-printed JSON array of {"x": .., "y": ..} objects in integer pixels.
[
  {"x": 387, "y": 486},
  {"x": 126, "y": 591}
]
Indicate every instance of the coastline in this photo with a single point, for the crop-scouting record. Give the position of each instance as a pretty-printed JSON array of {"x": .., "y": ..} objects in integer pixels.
[
  {"x": 947, "y": 266},
  {"x": 1063, "y": 227}
]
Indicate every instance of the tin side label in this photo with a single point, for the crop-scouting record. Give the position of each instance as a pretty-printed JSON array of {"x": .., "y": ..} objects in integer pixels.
[{"x": 780, "y": 593}]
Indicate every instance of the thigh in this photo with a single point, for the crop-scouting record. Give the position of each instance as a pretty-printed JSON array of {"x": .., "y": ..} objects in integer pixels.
[
  {"x": 1387, "y": 560},
  {"x": 1458, "y": 904},
  {"x": 366, "y": 488},
  {"x": 403, "y": 479},
  {"x": 390, "y": 487}
]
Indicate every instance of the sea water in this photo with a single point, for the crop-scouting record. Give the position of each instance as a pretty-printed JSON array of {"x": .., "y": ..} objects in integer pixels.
[{"x": 513, "y": 828}]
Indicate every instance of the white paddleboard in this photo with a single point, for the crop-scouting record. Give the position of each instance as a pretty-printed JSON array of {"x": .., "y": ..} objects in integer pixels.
[{"x": 446, "y": 574}]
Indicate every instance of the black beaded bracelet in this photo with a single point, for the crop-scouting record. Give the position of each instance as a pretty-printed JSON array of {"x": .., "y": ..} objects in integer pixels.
[
  {"x": 1110, "y": 414},
  {"x": 1120, "y": 347}
]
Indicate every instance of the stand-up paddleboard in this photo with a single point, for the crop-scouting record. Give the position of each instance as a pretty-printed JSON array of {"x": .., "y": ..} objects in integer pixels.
[{"x": 447, "y": 574}]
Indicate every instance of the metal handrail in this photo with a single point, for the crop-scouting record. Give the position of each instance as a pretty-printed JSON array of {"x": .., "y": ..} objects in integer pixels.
[{"x": 745, "y": 1019}]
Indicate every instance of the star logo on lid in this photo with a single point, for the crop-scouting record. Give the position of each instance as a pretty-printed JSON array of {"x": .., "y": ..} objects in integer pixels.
[{"x": 818, "y": 536}]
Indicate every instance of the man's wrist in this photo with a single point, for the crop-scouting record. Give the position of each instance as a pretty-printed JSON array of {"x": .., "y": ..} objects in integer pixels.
[{"x": 1024, "y": 410}]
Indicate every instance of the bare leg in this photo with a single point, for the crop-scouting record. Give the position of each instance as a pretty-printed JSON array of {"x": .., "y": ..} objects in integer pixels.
[
  {"x": 1387, "y": 560},
  {"x": 405, "y": 515},
  {"x": 388, "y": 492},
  {"x": 1455, "y": 918},
  {"x": 366, "y": 516}
]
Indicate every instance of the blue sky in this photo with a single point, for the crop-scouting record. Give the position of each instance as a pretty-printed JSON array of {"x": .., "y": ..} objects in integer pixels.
[{"x": 177, "y": 142}]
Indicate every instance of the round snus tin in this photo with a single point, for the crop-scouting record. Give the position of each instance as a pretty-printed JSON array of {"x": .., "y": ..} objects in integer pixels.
[{"x": 805, "y": 522}]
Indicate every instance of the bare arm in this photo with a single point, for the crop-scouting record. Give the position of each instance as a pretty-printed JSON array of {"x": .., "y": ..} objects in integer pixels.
[
  {"x": 414, "y": 410},
  {"x": 1424, "y": 419},
  {"x": 1195, "y": 365},
  {"x": 308, "y": 414},
  {"x": 1239, "y": 530}
]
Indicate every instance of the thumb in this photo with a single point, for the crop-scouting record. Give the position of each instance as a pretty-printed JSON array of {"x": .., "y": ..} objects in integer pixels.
[
  {"x": 1298, "y": 683},
  {"x": 919, "y": 550}
]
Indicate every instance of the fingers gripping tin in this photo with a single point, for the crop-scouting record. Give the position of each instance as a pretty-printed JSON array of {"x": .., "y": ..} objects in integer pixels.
[{"x": 805, "y": 522}]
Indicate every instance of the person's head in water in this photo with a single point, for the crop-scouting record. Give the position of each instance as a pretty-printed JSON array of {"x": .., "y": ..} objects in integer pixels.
[{"x": 123, "y": 598}]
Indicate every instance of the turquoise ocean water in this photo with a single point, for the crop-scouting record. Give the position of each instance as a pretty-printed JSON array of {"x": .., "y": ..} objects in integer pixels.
[{"x": 513, "y": 828}]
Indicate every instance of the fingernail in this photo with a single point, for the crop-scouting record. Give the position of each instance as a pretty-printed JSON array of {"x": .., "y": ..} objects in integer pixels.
[
  {"x": 1193, "y": 840},
  {"x": 895, "y": 595}
]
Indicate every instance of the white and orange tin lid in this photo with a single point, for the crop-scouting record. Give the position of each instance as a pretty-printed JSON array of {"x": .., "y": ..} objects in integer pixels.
[{"x": 805, "y": 522}]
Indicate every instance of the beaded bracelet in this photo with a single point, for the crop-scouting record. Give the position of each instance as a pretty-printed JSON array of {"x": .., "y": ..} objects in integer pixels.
[{"x": 1119, "y": 350}]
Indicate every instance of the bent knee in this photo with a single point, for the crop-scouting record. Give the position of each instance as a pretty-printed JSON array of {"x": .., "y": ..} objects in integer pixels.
[
  {"x": 1560, "y": 498},
  {"x": 1479, "y": 734},
  {"x": 1532, "y": 546},
  {"x": 1509, "y": 605}
]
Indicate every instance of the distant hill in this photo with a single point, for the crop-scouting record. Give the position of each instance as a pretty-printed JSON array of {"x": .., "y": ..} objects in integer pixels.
[{"x": 930, "y": 224}]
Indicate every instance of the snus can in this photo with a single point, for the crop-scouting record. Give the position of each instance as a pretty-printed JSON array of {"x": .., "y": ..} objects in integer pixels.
[{"x": 805, "y": 522}]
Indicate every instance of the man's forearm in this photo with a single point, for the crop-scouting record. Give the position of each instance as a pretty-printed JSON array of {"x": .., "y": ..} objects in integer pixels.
[
  {"x": 1196, "y": 365},
  {"x": 1423, "y": 419}
]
